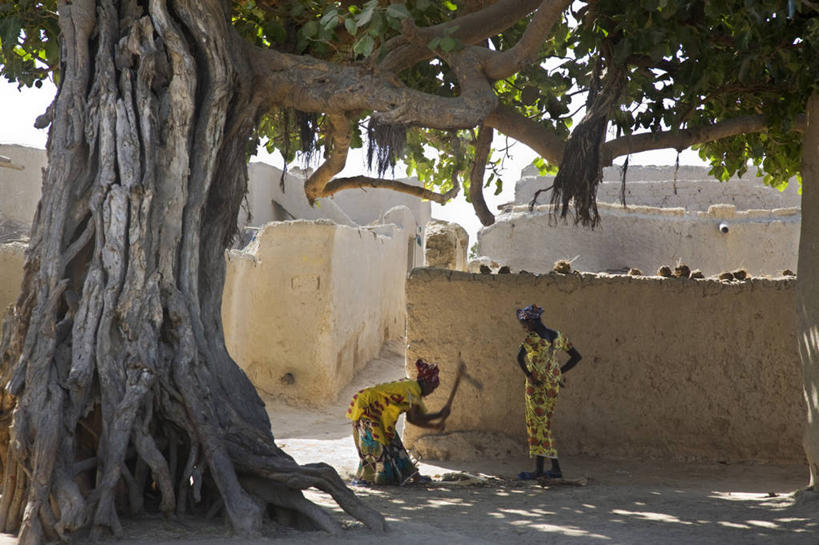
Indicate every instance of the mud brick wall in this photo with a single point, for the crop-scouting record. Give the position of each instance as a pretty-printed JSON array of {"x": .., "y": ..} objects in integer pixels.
[{"x": 675, "y": 368}]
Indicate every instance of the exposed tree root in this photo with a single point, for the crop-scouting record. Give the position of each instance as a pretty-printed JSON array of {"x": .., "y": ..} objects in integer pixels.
[{"x": 806, "y": 496}]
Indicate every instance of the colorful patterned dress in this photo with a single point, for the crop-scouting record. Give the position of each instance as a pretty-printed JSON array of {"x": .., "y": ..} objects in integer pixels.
[
  {"x": 374, "y": 412},
  {"x": 541, "y": 361}
]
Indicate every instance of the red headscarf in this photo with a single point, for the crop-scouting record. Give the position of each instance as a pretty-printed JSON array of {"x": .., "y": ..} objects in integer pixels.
[{"x": 427, "y": 372}]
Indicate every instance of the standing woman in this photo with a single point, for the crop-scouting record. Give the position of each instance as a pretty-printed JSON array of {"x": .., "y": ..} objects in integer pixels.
[
  {"x": 375, "y": 411},
  {"x": 537, "y": 358}
]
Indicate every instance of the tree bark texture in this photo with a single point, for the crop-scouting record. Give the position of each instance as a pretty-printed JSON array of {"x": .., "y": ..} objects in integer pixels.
[
  {"x": 121, "y": 396},
  {"x": 807, "y": 288}
]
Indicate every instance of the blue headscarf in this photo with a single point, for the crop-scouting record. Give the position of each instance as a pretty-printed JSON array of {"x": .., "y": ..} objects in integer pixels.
[{"x": 532, "y": 312}]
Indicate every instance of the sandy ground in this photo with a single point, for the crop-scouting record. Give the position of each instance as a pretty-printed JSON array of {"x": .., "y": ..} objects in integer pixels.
[{"x": 624, "y": 502}]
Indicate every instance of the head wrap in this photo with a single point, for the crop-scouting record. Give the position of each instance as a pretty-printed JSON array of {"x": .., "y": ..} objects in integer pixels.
[
  {"x": 532, "y": 312},
  {"x": 427, "y": 372}
]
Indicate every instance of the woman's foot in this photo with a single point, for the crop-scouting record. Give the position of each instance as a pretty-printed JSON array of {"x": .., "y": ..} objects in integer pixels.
[{"x": 551, "y": 474}]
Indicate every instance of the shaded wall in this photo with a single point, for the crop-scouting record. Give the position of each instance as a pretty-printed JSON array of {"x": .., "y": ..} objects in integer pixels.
[
  {"x": 307, "y": 304},
  {"x": 685, "y": 369}
]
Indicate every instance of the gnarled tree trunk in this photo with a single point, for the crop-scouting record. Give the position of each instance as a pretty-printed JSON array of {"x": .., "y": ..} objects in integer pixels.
[{"x": 123, "y": 395}]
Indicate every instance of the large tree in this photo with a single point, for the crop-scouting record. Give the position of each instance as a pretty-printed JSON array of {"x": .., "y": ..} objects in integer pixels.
[{"x": 120, "y": 395}]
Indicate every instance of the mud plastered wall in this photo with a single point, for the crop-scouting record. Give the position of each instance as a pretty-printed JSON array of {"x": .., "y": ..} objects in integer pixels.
[
  {"x": 682, "y": 369},
  {"x": 12, "y": 257},
  {"x": 666, "y": 222},
  {"x": 763, "y": 242},
  {"x": 20, "y": 189},
  {"x": 306, "y": 304}
]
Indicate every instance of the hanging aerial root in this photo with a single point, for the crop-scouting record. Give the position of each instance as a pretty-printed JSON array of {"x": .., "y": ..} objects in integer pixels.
[
  {"x": 580, "y": 173},
  {"x": 581, "y": 169},
  {"x": 385, "y": 144}
]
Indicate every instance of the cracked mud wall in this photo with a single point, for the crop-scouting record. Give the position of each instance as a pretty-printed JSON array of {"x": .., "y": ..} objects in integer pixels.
[{"x": 682, "y": 369}]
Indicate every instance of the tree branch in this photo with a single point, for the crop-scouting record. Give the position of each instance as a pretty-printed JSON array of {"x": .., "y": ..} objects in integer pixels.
[
  {"x": 683, "y": 138},
  {"x": 483, "y": 146},
  {"x": 313, "y": 85},
  {"x": 340, "y": 184},
  {"x": 545, "y": 142},
  {"x": 469, "y": 29},
  {"x": 504, "y": 64},
  {"x": 315, "y": 185},
  {"x": 476, "y": 95}
]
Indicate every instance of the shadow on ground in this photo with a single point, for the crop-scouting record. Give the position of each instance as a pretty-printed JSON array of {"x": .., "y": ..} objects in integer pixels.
[{"x": 625, "y": 501}]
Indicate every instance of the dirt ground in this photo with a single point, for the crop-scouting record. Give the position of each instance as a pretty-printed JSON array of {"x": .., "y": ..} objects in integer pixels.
[{"x": 625, "y": 501}]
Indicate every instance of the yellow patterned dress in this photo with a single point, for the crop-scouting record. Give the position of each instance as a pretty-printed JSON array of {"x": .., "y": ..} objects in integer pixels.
[
  {"x": 374, "y": 412},
  {"x": 541, "y": 362}
]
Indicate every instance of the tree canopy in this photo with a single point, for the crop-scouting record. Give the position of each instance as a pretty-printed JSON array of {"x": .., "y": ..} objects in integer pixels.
[{"x": 420, "y": 81}]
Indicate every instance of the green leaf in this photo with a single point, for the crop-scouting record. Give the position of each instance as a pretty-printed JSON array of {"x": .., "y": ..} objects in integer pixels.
[
  {"x": 275, "y": 32},
  {"x": 330, "y": 19},
  {"x": 10, "y": 28},
  {"x": 52, "y": 52},
  {"x": 366, "y": 14},
  {"x": 622, "y": 51},
  {"x": 398, "y": 11},
  {"x": 377, "y": 24},
  {"x": 310, "y": 29},
  {"x": 448, "y": 44},
  {"x": 350, "y": 25},
  {"x": 364, "y": 46}
]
